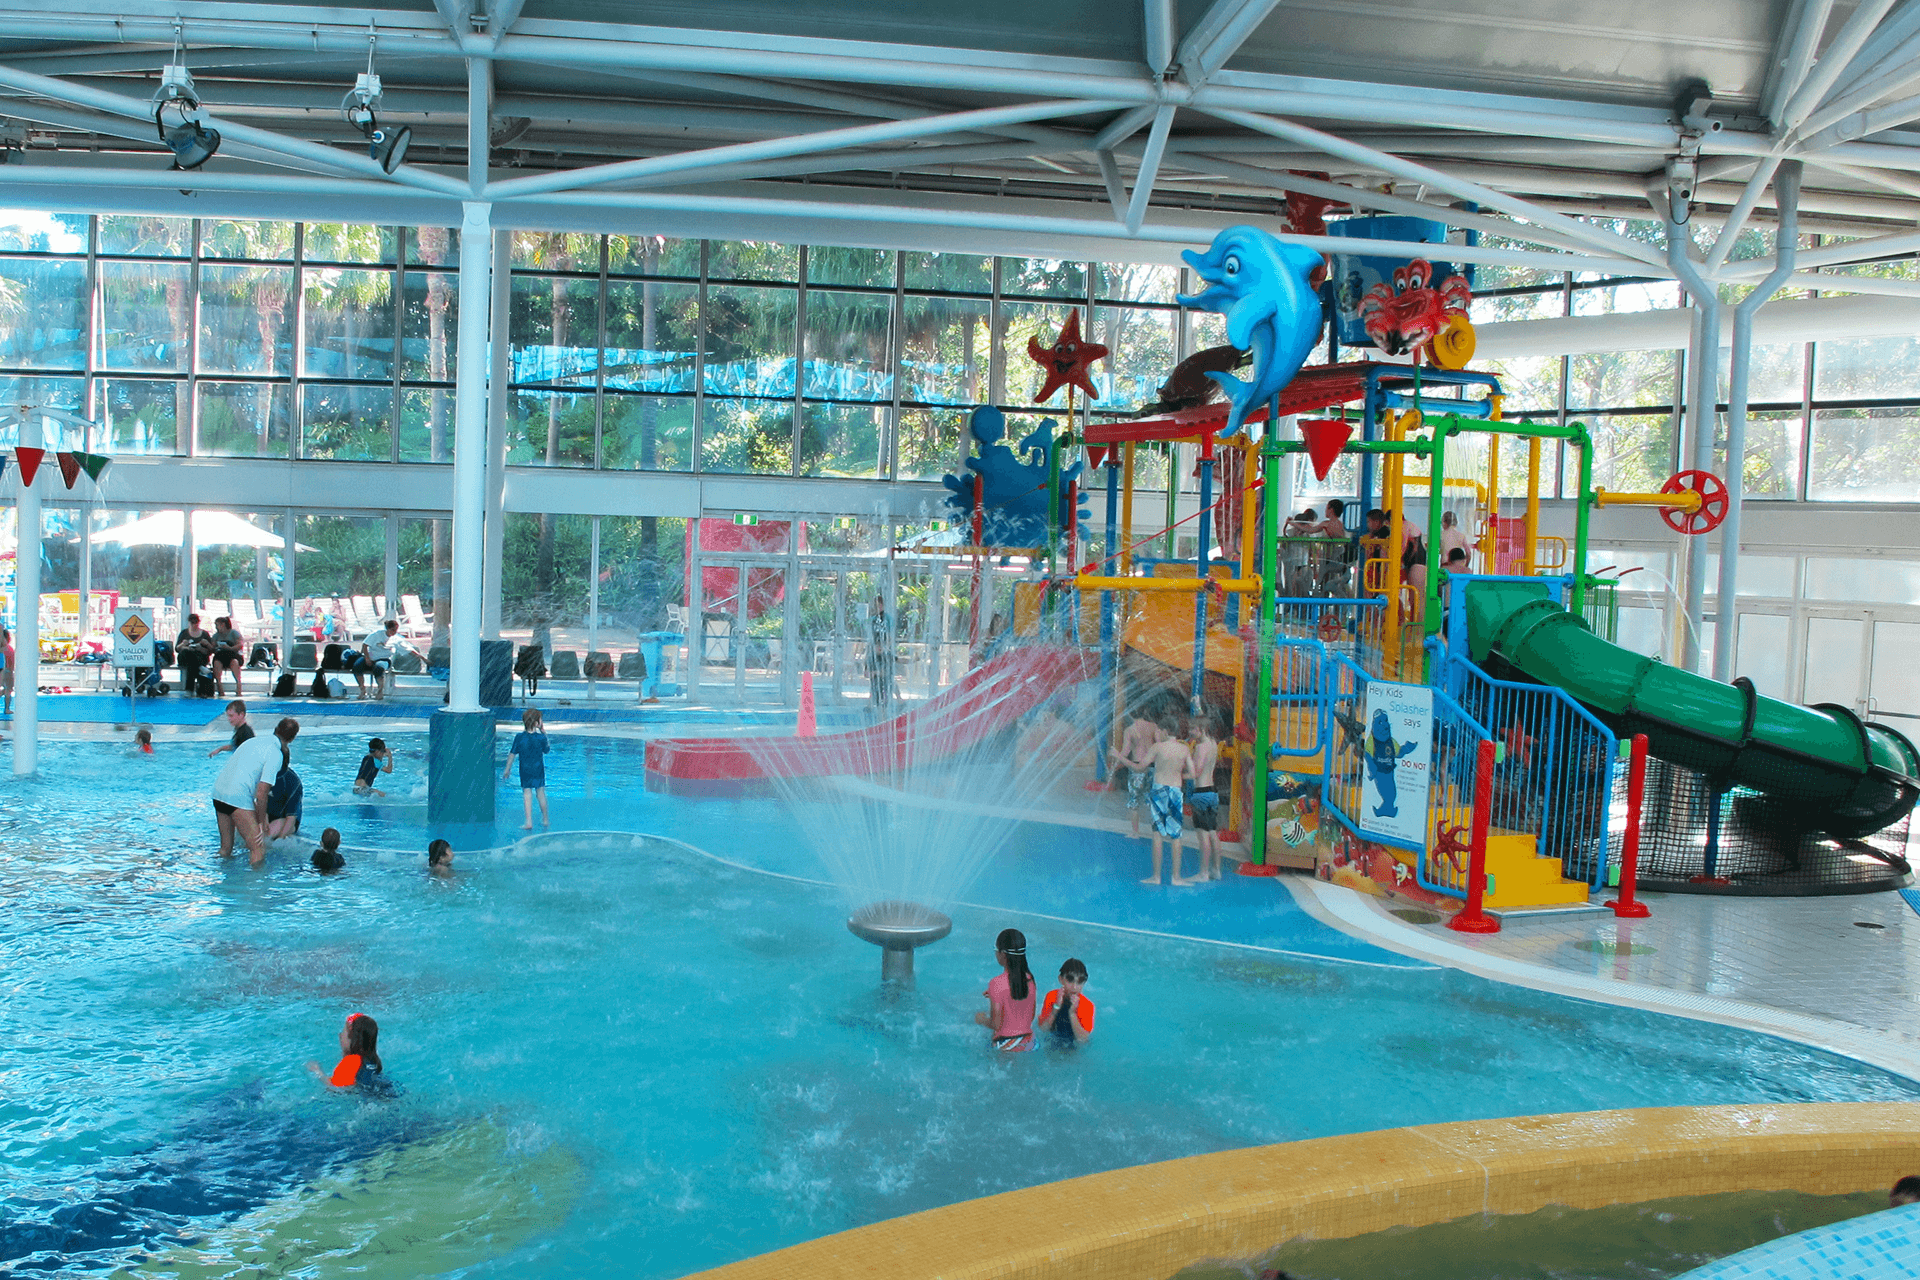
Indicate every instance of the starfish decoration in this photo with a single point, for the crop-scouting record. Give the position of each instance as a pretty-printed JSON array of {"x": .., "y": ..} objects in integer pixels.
[{"x": 1067, "y": 360}]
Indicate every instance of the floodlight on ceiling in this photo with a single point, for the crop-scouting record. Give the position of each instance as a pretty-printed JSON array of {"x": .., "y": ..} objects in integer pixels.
[
  {"x": 192, "y": 143},
  {"x": 386, "y": 145}
]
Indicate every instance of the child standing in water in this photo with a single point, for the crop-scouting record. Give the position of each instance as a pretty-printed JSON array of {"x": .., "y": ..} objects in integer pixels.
[
  {"x": 1206, "y": 799},
  {"x": 531, "y": 747},
  {"x": 1136, "y": 748},
  {"x": 1172, "y": 765},
  {"x": 1009, "y": 1014}
]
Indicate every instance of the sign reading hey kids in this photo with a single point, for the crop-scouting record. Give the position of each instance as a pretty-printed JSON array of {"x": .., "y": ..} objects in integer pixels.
[{"x": 1396, "y": 756}]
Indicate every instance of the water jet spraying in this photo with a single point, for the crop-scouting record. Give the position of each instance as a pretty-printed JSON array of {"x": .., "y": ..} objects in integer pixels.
[{"x": 897, "y": 927}]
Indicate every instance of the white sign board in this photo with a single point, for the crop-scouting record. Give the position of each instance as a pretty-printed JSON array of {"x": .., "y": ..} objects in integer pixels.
[
  {"x": 1396, "y": 761},
  {"x": 133, "y": 637}
]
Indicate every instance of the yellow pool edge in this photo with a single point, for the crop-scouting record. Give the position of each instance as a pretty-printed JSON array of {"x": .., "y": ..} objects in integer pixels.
[{"x": 1149, "y": 1221}]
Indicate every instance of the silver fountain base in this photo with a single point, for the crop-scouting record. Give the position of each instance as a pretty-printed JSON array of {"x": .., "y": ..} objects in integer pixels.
[{"x": 897, "y": 928}]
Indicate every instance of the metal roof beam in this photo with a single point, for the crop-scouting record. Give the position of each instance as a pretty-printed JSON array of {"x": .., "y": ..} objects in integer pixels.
[
  {"x": 1442, "y": 181},
  {"x": 135, "y": 109},
  {"x": 1159, "y": 35},
  {"x": 804, "y": 144},
  {"x": 1833, "y": 60},
  {"x": 1222, "y": 29},
  {"x": 1149, "y": 170}
]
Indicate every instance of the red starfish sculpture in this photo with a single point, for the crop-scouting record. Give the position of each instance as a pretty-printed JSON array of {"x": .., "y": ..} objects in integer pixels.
[{"x": 1067, "y": 360}]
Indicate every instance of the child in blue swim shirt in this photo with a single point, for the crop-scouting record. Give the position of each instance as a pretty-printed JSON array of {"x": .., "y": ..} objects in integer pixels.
[{"x": 530, "y": 747}]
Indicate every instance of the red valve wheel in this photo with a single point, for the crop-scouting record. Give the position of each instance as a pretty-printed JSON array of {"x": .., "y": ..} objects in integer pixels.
[{"x": 1713, "y": 502}]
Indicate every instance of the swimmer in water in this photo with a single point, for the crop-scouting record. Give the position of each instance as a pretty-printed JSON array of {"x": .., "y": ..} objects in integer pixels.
[
  {"x": 1066, "y": 1012},
  {"x": 1009, "y": 1014},
  {"x": 360, "y": 1066},
  {"x": 143, "y": 739},
  {"x": 440, "y": 859},
  {"x": 327, "y": 859}
]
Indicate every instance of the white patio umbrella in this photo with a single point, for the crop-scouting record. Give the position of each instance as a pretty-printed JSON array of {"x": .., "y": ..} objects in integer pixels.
[{"x": 210, "y": 529}]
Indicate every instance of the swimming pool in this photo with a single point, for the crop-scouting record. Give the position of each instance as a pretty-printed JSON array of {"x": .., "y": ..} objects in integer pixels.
[{"x": 634, "y": 1057}]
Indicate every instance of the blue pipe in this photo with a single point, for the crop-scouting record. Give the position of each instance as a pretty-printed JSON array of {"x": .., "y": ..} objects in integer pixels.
[
  {"x": 1108, "y": 689},
  {"x": 1200, "y": 597}
]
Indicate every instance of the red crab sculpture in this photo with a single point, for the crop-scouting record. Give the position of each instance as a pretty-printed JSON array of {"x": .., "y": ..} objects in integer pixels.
[{"x": 1412, "y": 313}]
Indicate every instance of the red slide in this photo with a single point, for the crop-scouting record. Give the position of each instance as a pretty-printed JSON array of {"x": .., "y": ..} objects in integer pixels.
[{"x": 987, "y": 700}]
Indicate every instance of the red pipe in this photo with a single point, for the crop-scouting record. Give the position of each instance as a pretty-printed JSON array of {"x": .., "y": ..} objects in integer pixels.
[
  {"x": 979, "y": 529},
  {"x": 1626, "y": 907},
  {"x": 1073, "y": 525},
  {"x": 1472, "y": 919}
]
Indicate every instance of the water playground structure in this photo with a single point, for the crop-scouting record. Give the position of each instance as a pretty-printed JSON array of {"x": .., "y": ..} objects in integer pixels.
[{"x": 1542, "y": 763}]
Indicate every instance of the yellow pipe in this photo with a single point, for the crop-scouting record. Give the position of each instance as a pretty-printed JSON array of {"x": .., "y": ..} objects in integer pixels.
[
  {"x": 1531, "y": 527},
  {"x": 1686, "y": 500},
  {"x": 1126, "y": 510},
  {"x": 1489, "y": 536},
  {"x": 1248, "y": 460},
  {"x": 1392, "y": 473},
  {"x": 1094, "y": 582}
]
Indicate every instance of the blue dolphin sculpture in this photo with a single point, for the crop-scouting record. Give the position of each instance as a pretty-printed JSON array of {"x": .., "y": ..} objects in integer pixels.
[{"x": 1261, "y": 286}]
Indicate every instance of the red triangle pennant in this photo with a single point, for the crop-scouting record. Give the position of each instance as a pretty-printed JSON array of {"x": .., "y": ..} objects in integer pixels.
[
  {"x": 69, "y": 467},
  {"x": 1097, "y": 455},
  {"x": 29, "y": 462},
  {"x": 1325, "y": 438}
]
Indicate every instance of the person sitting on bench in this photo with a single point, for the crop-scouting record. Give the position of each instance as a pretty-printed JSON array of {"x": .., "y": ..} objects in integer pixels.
[{"x": 193, "y": 650}]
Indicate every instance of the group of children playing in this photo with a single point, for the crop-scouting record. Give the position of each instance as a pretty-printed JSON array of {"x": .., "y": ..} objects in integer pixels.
[
  {"x": 327, "y": 858},
  {"x": 1159, "y": 763},
  {"x": 1065, "y": 1016}
]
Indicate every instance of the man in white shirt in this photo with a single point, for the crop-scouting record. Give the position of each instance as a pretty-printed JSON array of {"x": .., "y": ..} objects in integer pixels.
[
  {"x": 376, "y": 658},
  {"x": 240, "y": 792}
]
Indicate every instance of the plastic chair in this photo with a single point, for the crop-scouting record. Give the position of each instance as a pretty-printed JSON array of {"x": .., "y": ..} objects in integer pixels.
[
  {"x": 633, "y": 666},
  {"x": 565, "y": 665}
]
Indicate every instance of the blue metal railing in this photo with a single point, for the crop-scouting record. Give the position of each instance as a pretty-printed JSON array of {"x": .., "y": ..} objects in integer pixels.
[{"x": 1557, "y": 770}]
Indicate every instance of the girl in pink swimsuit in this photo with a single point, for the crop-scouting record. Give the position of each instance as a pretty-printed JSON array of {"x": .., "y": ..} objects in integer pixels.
[{"x": 1010, "y": 996}]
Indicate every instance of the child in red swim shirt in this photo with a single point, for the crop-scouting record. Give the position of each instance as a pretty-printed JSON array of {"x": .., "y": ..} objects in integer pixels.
[
  {"x": 360, "y": 1066},
  {"x": 1067, "y": 1013}
]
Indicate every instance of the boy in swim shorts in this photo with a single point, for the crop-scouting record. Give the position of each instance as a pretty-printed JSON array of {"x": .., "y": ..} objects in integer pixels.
[
  {"x": 1136, "y": 744},
  {"x": 1171, "y": 764},
  {"x": 1206, "y": 799}
]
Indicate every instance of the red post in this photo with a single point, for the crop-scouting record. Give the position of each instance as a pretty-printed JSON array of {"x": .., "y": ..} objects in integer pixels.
[
  {"x": 1472, "y": 919},
  {"x": 1626, "y": 907}
]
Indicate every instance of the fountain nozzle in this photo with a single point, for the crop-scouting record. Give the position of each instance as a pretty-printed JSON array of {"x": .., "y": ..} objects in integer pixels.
[{"x": 897, "y": 928}]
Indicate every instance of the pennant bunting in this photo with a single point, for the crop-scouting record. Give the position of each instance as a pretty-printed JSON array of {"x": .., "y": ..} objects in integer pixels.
[
  {"x": 69, "y": 467},
  {"x": 94, "y": 463},
  {"x": 29, "y": 462}
]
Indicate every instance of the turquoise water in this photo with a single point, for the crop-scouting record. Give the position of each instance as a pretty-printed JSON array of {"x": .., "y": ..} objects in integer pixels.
[{"x": 632, "y": 1058}]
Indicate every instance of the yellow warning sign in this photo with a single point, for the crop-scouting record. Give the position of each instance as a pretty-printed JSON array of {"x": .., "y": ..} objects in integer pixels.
[{"x": 135, "y": 628}]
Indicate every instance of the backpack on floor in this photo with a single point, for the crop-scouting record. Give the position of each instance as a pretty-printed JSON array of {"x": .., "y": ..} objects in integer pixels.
[
  {"x": 319, "y": 687},
  {"x": 335, "y": 689},
  {"x": 203, "y": 685},
  {"x": 283, "y": 687}
]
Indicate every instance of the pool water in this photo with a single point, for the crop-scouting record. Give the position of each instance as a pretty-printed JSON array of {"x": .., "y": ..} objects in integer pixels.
[
  {"x": 633, "y": 1057},
  {"x": 1648, "y": 1241}
]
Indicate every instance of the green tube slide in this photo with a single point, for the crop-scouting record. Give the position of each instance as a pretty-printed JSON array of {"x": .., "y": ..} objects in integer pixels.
[{"x": 1840, "y": 774}]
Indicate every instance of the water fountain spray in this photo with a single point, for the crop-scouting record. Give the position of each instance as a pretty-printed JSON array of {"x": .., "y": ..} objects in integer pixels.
[{"x": 897, "y": 927}]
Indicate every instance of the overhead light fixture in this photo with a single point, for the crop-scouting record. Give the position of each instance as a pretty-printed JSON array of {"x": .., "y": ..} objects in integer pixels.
[
  {"x": 386, "y": 145},
  {"x": 191, "y": 142}
]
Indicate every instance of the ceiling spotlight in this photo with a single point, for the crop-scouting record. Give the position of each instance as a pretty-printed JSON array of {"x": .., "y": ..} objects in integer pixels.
[
  {"x": 385, "y": 144},
  {"x": 191, "y": 142}
]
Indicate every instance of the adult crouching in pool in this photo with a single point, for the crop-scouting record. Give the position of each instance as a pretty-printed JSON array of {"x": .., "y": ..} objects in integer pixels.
[{"x": 241, "y": 791}]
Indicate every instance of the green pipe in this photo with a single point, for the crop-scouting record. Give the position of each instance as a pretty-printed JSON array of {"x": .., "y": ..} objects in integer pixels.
[
  {"x": 1270, "y": 455},
  {"x": 1839, "y": 774},
  {"x": 1436, "y": 489},
  {"x": 1581, "y": 508}
]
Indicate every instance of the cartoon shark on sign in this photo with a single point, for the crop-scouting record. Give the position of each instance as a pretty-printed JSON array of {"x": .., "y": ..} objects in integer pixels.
[{"x": 1261, "y": 286}]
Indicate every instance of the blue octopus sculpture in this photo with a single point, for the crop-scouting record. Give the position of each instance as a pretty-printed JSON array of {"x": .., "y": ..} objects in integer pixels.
[
  {"x": 1013, "y": 484},
  {"x": 1262, "y": 287}
]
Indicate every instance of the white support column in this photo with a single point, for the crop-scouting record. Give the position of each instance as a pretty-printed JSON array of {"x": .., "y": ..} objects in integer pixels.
[
  {"x": 289, "y": 622},
  {"x": 469, "y": 456},
  {"x": 498, "y": 382},
  {"x": 26, "y": 610},
  {"x": 1786, "y": 244},
  {"x": 391, "y": 578},
  {"x": 1696, "y": 452}
]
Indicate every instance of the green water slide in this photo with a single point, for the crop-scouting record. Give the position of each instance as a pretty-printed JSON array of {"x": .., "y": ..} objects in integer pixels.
[{"x": 1839, "y": 774}]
